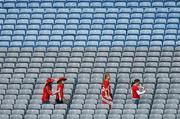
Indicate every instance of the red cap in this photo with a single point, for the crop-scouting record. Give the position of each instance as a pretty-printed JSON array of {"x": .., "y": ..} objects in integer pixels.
[
  {"x": 49, "y": 80},
  {"x": 61, "y": 79}
]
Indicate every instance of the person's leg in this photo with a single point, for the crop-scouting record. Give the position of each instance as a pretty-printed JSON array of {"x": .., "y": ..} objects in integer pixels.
[
  {"x": 47, "y": 102},
  {"x": 137, "y": 102}
]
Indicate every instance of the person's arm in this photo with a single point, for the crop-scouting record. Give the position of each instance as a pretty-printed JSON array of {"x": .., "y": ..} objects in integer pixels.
[
  {"x": 49, "y": 90},
  {"x": 140, "y": 92},
  {"x": 56, "y": 92}
]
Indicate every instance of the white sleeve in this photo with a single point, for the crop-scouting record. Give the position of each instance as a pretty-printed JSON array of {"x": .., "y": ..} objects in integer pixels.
[{"x": 140, "y": 93}]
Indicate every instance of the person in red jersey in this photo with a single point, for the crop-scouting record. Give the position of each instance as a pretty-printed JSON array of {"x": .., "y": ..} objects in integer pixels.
[
  {"x": 106, "y": 93},
  {"x": 47, "y": 90},
  {"x": 136, "y": 91},
  {"x": 60, "y": 90}
]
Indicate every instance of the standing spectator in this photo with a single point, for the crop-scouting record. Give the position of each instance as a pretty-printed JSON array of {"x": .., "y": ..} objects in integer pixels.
[
  {"x": 60, "y": 91},
  {"x": 47, "y": 91},
  {"x": 136, "y": 91},
  {"x": 106, "y": 90}
]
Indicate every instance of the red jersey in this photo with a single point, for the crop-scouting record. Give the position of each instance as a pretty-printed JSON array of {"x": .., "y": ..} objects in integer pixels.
[
  {"x": 60, "y": 94},
  {"x": 46, "y": 93},
  {"x": 134, "y": 90},
  {"x": 106, "y": 89}
]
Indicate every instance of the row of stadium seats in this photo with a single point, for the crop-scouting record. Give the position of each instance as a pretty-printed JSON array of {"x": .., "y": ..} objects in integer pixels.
[
  {"x": 77, "y": 3},
  {"x": 90, "y": 10}
]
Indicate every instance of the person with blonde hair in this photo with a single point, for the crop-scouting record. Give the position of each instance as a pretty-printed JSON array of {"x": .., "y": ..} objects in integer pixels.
[
  {"x": 60, "y": 90},
  {"x": 106, "y": 93}
]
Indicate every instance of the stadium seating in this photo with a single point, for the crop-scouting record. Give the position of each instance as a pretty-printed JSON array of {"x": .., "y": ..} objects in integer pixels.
[{"x": 82, "y": 39}]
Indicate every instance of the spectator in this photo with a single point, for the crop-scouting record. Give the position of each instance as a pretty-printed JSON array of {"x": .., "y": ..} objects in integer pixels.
[
  {"x": 136, "y": 91},
  {"x": 47, "y": 91},
  {"x": 106, "y": 90},
  {"x": 60, "y": 91}
]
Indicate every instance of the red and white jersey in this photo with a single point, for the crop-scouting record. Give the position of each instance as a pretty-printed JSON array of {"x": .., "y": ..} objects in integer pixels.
[
  {"x": 60, "y": 93},
  {"x": 134, "y": 93}
]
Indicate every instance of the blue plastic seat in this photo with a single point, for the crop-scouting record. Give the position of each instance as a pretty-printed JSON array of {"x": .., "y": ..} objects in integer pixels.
[
  {"x": 124, "y": 15},
  {"x": 175, "y": 9},
  {"x": 172, "y": 26},
  {"x": 145, "y": 4},
  {"x": 169, "y": 43},
  {"x": 83, "y": 4},
  {"x": 120, "y": 4},
  {"x": 54, "y": 43},
  {"x": 17, "y": 38},
  {"x": 6, "y": 32},
  {"x": 41, "y": 43},
  {"x": 22, "y": 21},
  {"x": 106, "y": 38},
  {"x": 123, "y": 21},
  {"x": 9, "y": 5},
  {"x": 158, "y": 31},
  {"x": 30, "y": 38},
  {"x": 145, "y": 37},
  {"x": 150, "y": 10},
  {"x": 81, "y": 37},
  {"x": 143, "y": 43},
  {"x": 74, "y": 16},
  {"x": 136, "y": 15},
  {"x": 21, "y": 5},
  {"x": 71, "y": 4},
  {"x": 34, "y": 5},
  {"x": 134, "y": 26},
  {"x": 149, "y": 15},
  {"x": 119, "y": 38},
  {"x": 43, "y": 38},
  {"x": 145, "y": 32},
  {"x": 170, "y": 4},
  {"x": 92, "y": 43},
  {"x": 46, "y": 5},
  {"x": 79, "y": 43},
  {"x": 122, "y": 26},
  {"x": 157, "y": 4},
  {"x": 68, "y": 38},
  {"x": 10, "y": 17},
  {"x": 16, "y": 43},
  {"x": 67, "y": 43},
  {"x": 130, "y": 43},
  {"x": 105, "y": 43},
  {"x": 58, "y": 4},
  {"x": 160, "y": 21},
  {"x": 170, "y": 37},
  {"x": 95, "y": 4},
  {"x": 26, "y": 11},
  {"x": 156, "y": 43},
  {"x": 161, "y": 15},
  {"x": 4, "y": 43},
  {"x": 125, "y": 10},
  {"x": 132, "y": 4},
  {"x": 86, "y": 21},
  {"x": 132, "y": 38},
  {"x": 159, "y": 26},
  {"x": 11, "y": 27}
]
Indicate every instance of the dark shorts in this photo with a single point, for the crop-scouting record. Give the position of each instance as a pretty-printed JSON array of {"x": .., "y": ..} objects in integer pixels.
[
  {"x": 59, "y": 101},
  {"x": 136, "y": 101}
]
